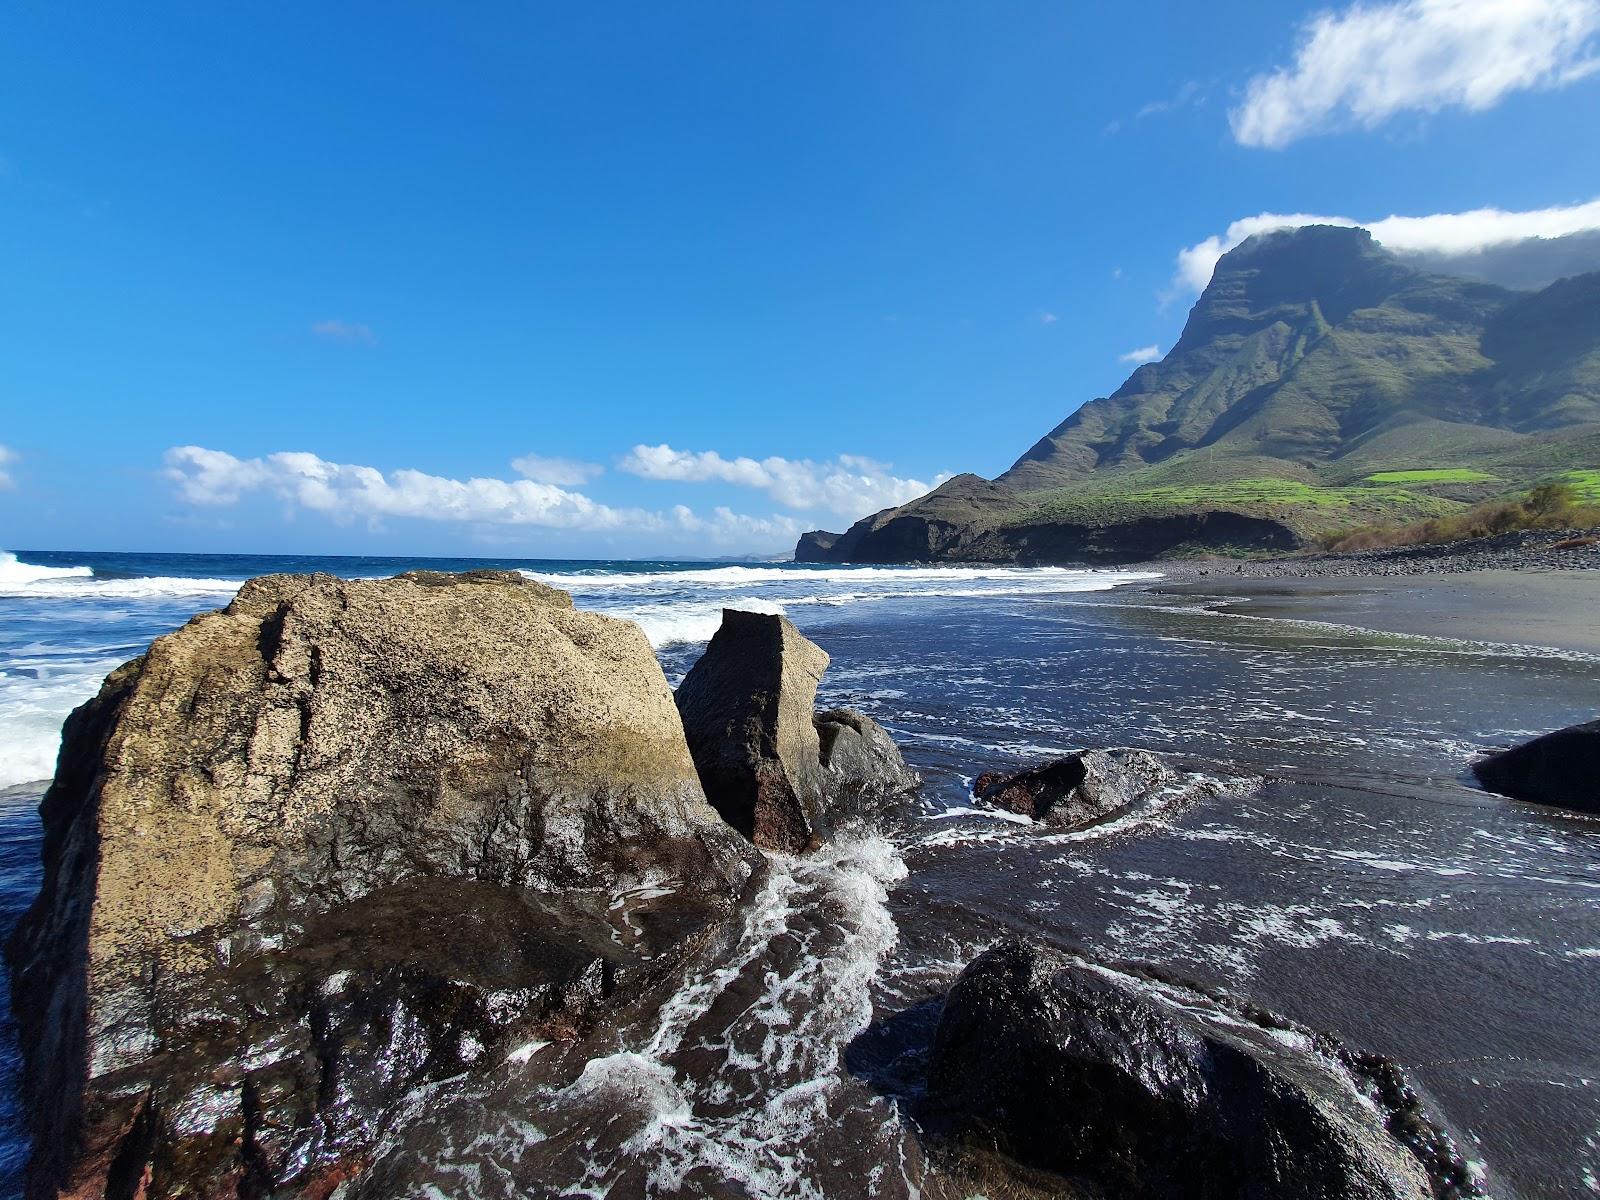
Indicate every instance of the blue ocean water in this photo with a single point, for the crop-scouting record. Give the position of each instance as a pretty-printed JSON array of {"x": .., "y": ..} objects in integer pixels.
[{"x": 1366, "y": 887}]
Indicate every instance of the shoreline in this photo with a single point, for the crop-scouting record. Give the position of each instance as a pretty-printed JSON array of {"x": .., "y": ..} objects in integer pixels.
[
  {"x": 1542, "y": 609},
  {"x": 1515, "y": 589}
]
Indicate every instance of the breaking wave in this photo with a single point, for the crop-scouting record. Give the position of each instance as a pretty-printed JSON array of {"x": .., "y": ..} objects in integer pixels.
[
  {"x": 20, "y": 580},
  {"x": 684, "y": 606},
  {"x": 735, "y": 1078}
]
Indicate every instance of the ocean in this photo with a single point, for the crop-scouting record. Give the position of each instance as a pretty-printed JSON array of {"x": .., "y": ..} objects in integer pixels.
[{"x": 1355, "y": 881}]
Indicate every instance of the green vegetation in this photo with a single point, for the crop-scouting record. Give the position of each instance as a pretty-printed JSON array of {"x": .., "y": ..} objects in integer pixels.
[
  {"x": 1438, "y": 475},
  {"x": 1584, "y": 484},
  {"x": 1306, "y": 506},
  {"x": 1314, "y": 376},
  {"x": 1357, "y": 382},
  {"x": 1556, "y": 505}
]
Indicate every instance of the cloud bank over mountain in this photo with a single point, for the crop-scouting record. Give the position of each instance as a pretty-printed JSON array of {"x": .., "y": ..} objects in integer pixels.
[{"x": 1484, "y": 242}]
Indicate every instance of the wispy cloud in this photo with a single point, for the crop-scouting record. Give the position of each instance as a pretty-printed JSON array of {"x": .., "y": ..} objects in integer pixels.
[
  {"x": 564, "y": 472},
  {"x": 1048, "y": 318},
  {"x": 345, "y": 492},
  {"x": 1190, "y": 93},
  {"x": 345, "y": 331},
  {"x": 1441, "y": 233},
  {"x": 1141, "y": 356},
  {"x": 1361, "y": 66},
  {"x": 8, "y": 457},
  {"x": 849, "y": 485}
]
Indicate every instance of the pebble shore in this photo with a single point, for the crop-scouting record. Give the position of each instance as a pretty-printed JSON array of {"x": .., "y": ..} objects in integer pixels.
[{"x": 1522, "y": 551}]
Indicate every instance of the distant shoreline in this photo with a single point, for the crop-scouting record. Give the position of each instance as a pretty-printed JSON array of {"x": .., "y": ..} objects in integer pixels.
[{"x": 1558, "y": 609}]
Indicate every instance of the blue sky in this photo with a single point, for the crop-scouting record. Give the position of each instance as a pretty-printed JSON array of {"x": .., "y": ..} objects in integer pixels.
[{"x": 313, "y": 278}]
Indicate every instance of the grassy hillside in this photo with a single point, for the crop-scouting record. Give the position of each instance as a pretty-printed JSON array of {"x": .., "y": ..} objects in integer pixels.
[{"x": 1320, "y": 386}]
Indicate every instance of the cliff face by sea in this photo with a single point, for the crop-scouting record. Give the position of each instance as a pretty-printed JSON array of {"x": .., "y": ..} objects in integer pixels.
[{"x": 1321, "y": 384}]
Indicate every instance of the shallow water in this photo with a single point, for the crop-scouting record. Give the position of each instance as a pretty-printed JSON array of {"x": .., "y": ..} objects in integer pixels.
[{"x": 1363, "y": 887}]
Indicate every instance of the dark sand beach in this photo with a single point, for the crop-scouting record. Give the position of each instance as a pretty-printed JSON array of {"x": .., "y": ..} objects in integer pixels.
[{"x": 1555, "y": 608}]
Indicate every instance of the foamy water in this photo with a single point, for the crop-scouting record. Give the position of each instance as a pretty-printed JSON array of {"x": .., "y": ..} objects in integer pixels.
[
  {"x": 66, "y": 626},
  {"x": 736, "y": 1077},
  {"x": 684, "y": 607},
  {"x": 1337, "y": 867}
]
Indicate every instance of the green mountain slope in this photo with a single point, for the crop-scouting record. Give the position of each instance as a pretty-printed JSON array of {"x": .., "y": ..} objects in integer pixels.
[{"x": 1313, "y": 361}]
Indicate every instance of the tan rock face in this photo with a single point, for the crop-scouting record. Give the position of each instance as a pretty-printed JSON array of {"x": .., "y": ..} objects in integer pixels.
[{"x": 317, "y": 741}]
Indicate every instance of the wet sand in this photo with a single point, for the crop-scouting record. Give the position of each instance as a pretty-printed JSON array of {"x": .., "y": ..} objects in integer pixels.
[{"x": 1559, "y": 609}]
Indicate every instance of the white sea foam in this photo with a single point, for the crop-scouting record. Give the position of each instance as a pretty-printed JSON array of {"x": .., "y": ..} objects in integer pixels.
[
  {"x": 39, "y": 687},
  {"x": 42, "y": 681},
  {"x": 738, "y": 1073},
  {"x": 684, "y": 607},
  {"x": 20, "y": 580},
  {"x": 689, "y": 622},
  {"x": 15, "y": 574},
  {"x": 37, "y": 691},
  {"x": 1041, "y": 578}
]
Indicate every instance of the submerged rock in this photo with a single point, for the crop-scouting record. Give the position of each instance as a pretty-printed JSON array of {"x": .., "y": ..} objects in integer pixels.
[
  {"x": 339, "y": 839},
  {"x": 776, "y": 770},
  {"x": 1560, "y": 768},
  {"x": 1065, "y": 1069},
  {"x": 1079, "y": 789}
]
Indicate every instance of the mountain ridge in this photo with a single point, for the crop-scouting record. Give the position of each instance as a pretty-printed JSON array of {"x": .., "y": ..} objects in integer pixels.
[{"x": 1313, "y": 360}]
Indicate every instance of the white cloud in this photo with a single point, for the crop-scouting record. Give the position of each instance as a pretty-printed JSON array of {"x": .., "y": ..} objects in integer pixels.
[
  {"x": 850, "y": 485},
  {"x": 726, "y": 526},
  {"x": 8, "y": 456},
  {"x": 1048, "y": 318},
  {"x": 345, "y": 331},
  {"x": 343, "y": 492},
  {"x": 1361, "y": 66},
  {"x": 564, "y": 472},
  {"x": 1140, "y": 356},
  {"x": 1442, "y": 233}
]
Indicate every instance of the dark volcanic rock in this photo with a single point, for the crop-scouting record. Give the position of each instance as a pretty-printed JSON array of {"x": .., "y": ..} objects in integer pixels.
[
  {"x": 1063, "y": 1069},
  {"x": 335, "y": 841},
  {"x": 976, "y": 524},
  {"x": 1560, "y": 768},
  {"x": 815, "y": 546},
  {"x": 778, "y": 772},
  {"x": 861, "y": 765},
  {"x": 1081, "y": 788},
  {"x": 747, "y": 709}
]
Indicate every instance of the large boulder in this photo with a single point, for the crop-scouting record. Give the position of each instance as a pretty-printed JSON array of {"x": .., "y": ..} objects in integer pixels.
[
  {"x": 336, "y": 840},
  {"x": 1560, "y": 768},
  {"x": 1067, "y": 1069},
  {"x": 862, "y": 768},
  {"x": 1080, "y": 789},
  {"x": 778, "y": 772}
]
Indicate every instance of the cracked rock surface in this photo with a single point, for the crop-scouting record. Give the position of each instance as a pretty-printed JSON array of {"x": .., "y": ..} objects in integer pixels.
[{"x": 336, "y": 840}]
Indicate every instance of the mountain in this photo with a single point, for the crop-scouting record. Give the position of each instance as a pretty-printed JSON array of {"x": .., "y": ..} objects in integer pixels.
[{"x": 1320, "y": 383}]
